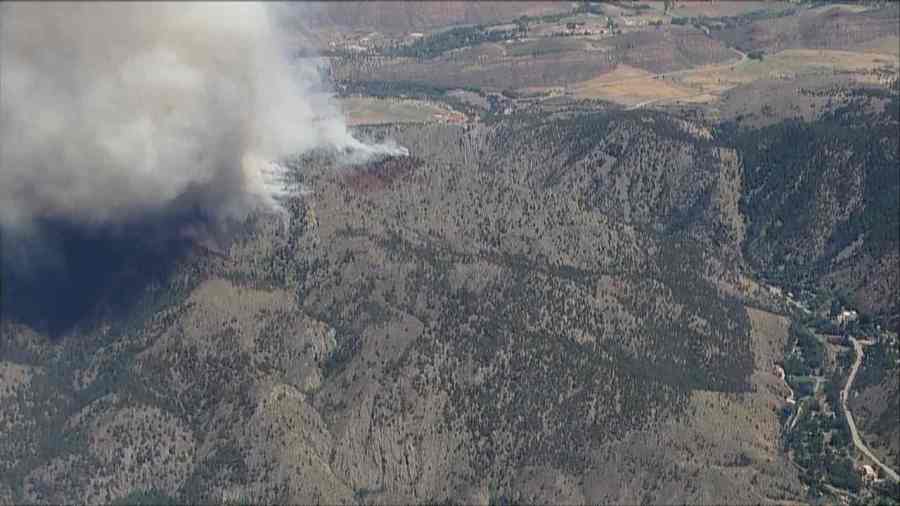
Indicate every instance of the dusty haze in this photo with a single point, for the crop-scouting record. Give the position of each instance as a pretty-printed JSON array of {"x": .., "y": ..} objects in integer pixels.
[{"x": 114, "y": 110}]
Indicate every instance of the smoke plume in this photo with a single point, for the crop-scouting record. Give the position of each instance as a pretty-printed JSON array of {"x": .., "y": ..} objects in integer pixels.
[
  {"x": 114, "y": 110},
  {"x": 124, "y": 124}
]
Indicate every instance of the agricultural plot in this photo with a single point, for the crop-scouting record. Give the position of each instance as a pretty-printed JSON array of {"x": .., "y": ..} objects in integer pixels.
[
  {"x": 631, "y": 86},
  {"x": 790, "y": 64}
]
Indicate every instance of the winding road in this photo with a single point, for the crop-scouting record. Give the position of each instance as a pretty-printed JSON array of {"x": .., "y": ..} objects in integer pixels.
[{"x": 857, "y": 441}]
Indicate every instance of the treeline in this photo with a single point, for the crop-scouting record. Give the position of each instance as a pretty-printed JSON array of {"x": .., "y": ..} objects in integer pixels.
[
  {"x": 144, "y": 497},
  {"x": 411, "y": 89},
  {"x": 729, "y": 22},
  {"x": 879, "y": 363},
  {"x": 822, "y": 463},
  {"x": 454, "y": 38},
  {"x": 787, "y": 167},
  {"x": 811, "y": 352}
]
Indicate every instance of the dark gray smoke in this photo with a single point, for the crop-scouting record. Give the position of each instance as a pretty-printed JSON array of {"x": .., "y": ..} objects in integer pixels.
[{"x": 116, "y": 114}]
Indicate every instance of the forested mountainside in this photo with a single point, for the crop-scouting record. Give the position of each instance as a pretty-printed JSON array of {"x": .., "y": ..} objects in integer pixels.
[
  {"x": 828, "y": 28},
  {"x": 821, "y": 200},
  {"x": 878, "y": 402},
  {"x": 499, "y": 314},
  {"x": 554, "y": 306},
  {"x": 638, "y": 253}
]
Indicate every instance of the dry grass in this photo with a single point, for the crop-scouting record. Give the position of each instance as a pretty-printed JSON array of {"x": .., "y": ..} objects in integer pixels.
[
  {"x": 628, "y": 85},
  {"x": 785, "y": 65},
  {"x": 503, "y": 73},
  {"x": 871, "y": 405},
  {"x": 839, "y": 60},
  {"x": 714, "y": 9},
  {"x": 12, "y": 376},
  {"x": 770, "y": 332},
  {"x": 305, "y": 446},
  {"x": 549, "y": 91},
  {"x": 218, "y": 304},
  {"x": 888, "y": 45},
  {"x": 727, "y": 442},
  {"x": 747, "y": 424},
  {"x": 547, "y": 45},
  {"x": 376, "y": 111}
]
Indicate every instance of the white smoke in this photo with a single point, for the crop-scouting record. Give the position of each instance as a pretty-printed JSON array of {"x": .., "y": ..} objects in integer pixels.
[{"x": 110, "y": 110}]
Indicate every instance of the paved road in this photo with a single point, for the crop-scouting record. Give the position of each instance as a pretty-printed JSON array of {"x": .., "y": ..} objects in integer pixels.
[
  {"x": 857, "y": 441},
  {"x": 796, "y": 418}
]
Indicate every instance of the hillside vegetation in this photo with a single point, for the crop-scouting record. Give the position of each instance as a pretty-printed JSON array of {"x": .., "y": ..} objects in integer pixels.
[
  {"x": 499, "y": 305},
  {"x": 553, "y": 299},
  {"x": 821, "y": 200}
]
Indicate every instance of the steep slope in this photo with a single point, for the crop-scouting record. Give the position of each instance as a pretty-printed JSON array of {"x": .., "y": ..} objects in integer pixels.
[
  {"x": 877, "y": 404},
  {"x": 821, "y": 200},
  {"x": 551, "y": 317},
  {"x": 821, "y": 28}
]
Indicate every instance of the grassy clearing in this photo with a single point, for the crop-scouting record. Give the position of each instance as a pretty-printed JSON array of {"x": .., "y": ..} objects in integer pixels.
[
  {"x": 889, "y": 45},
  {"x": 377, "y": 111},
  {"x": 549, "y": 45},
  {"x": 785, "y": 65},
  {"x": 628, "y": 85}
]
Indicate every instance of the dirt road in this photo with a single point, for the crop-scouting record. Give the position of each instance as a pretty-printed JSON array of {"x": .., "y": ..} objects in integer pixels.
[
  {"x": 857, "y": 441},
  {"x": 707, "y": 68}
]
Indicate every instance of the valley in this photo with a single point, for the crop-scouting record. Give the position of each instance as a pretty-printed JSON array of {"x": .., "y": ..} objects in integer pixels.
[{"x": 639, "y": 253}]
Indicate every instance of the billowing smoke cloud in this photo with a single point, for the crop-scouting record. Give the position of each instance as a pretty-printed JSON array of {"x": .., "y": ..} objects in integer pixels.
[
  {"x": 128, "y": 130},
  {"x": 111, "y": 111}
]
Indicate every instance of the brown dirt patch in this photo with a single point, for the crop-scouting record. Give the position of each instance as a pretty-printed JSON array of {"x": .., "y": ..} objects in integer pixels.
[{"x": 376, "y": 176}]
